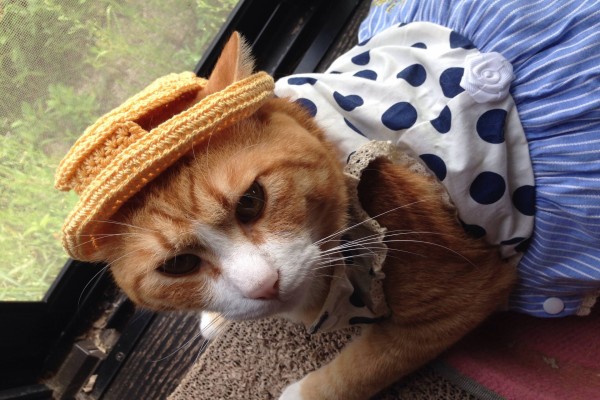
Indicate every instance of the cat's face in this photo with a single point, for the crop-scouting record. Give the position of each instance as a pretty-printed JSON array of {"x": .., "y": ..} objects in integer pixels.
[{"x": 234, "y": 226}]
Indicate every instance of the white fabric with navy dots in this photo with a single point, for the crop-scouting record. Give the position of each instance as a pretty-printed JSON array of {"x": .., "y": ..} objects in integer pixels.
[{"x": 403, "y": 86}]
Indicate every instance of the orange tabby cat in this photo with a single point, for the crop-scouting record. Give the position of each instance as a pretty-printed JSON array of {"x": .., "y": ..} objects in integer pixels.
[{"x": 237, "y": 227}]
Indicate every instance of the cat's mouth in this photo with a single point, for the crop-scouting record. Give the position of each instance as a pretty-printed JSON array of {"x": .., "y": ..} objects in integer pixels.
[
  {"x": 257, "y": 308},
  {"x": 291, "y": 294}
]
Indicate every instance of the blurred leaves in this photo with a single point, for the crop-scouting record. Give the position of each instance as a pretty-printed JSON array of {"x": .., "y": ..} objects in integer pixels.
[{"x": 63, "y": 63}]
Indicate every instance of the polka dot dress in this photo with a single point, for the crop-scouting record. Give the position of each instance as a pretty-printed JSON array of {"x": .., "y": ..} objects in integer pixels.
[{"x": 429, "y": 91}]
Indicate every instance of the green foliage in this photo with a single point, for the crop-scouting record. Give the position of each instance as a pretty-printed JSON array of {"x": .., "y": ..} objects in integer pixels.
[
  {"x": 62, "y": 64},
  {"x": 31, "y": 214}
]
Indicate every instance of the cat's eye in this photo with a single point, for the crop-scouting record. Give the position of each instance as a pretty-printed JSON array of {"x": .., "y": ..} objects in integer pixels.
[
  {"x": 181, "y": 264},
  {"x": 251, "y": 204}
]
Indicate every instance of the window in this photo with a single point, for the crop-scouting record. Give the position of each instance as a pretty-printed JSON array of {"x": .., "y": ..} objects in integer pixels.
[{"x": 62, "y": 64}]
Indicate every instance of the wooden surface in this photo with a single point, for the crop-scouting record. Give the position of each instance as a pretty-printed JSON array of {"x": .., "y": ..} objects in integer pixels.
[{"x": 160, "y": 360}]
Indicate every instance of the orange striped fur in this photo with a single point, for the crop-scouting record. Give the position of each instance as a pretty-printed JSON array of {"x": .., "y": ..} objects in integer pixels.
[{"x": 437, "y": 292}]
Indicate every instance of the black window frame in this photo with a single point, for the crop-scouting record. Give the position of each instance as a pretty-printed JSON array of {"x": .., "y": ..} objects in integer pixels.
[{"x": 287, "y": 37}]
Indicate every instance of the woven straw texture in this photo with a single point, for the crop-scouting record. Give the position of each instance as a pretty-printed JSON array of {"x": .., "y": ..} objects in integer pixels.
[{"x": 115, "y": 158}]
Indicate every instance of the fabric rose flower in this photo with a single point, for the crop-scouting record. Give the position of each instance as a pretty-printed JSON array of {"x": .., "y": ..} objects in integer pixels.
[{"x": 487, "y": 77}]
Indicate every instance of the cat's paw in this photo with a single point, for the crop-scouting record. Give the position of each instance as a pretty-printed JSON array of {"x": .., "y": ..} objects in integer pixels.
[
  {"x": 211, "y": 324},
  {"x": 292, "y": 392}
]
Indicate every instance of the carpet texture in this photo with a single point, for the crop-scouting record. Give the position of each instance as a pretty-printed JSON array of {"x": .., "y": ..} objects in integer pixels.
[
  {"x": 510, "y": 356},
  {"x": 257, "y": 359}
]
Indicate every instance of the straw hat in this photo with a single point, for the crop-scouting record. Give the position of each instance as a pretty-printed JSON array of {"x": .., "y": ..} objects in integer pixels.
[{"x": 117, "y": 156}]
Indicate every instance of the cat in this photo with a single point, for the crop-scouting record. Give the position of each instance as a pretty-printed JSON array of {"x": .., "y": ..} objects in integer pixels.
[{"x": 246, "y": 224}]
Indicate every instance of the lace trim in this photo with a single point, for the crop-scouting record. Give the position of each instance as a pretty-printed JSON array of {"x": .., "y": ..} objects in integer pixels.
[
  {"x": 357, "y": 162},
  {"x": 587, "y": 304}
]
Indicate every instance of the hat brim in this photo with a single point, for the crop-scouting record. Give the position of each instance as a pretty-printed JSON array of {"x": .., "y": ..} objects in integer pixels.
[{"x": 150, "y": 154}]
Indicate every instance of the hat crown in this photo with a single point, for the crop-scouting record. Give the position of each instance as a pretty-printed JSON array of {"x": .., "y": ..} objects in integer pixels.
[
  {"x": 130, "y": 146},
  {"x": 114, "y": 132}
]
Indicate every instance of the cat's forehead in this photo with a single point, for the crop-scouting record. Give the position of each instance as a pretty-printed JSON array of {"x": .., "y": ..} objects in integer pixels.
[{"x": 205, "y": 187}]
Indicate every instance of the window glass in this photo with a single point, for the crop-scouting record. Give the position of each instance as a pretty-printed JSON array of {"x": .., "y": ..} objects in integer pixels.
[{"x": 63, "y": 63}]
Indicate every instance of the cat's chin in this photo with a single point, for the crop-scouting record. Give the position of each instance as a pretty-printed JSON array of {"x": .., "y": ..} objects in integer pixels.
[
  {"x": 256, "y": 309},
  {"x": 291, "y": 305}
]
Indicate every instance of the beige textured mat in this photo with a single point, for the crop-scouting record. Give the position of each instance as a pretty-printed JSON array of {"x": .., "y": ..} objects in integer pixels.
[{"x": 257, "y": 359}]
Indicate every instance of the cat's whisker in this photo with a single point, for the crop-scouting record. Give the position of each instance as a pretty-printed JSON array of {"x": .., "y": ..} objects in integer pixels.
[
  {"x": 373, "y": 236},
  {"x": 331, "y": 261},
  {"x": 207, "y": 147},
  {"x": 352, "y": 246},
  {"x": 323, "y": 262},
  {"x": 327, "y": 276},
  {"x": 327, "y": 264},
  {"x": 392, "y": 233},
  {"x": 194, "y": 153},
  {"x": 125, "y": 224},
  {"x": 186, "y": 344},
  {"x": 102, "y": 235},
  {"x": 219, "y": 329},
  {"x": 96, "y": 276},
  {"x": 140, "y": 313},
  {"x": 325, "y": 239},
  {"x": 218, "y": 324},
  {"x": 363, "y": 246},
  {"x": 436, "y": 245},
  {"x": 202, "y": 349},
  {"x": 105, "y": 236},
  {"x": 323, "y": 268},
  {"x": 365, "y": 241}
]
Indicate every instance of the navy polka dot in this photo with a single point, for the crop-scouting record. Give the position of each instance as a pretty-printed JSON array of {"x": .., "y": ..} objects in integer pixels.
[
  {"x": 524, "y": 199},
  {"x": 512, "y": 241},
  {"x": 415, "y": 75},
  {"x": 301, "y": 80},
  {"x": 490, "y": 126},
  {"x": 363, "y": 320},
  {"x": 320, "y": 323},
  {"x": 308, "y": 105},
  {"x": 361, "y": 59},
  {"x": 487, "y": 188},
  {"x": 523, "y": 246},
  {"x": 450, "y": 81},
  {"x": 443, "y": 122},
  {"x": 436, "y": 164},
  {"x": 399, "y": 116},
  {"x": 419, "y": 45},
  {"x": 367, "y": 73},
  {"x": 350, "y": 156},
  {"x": 364, "y": 42},
  {"x": 457, "y": 40},
  {"x": 355, "y": 129},
  {"x": 335, "y": 72},
  {"x": 356, "y": 300},
  {"x": 472, "y": 230},
  {"x": 348, "y": 103}
]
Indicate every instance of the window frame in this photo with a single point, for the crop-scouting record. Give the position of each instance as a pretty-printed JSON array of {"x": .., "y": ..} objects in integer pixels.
[{"x": 286, "y": 37}]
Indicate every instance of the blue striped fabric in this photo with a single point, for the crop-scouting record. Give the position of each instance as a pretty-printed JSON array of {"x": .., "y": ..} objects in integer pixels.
[{"x": 554, "y": 46}]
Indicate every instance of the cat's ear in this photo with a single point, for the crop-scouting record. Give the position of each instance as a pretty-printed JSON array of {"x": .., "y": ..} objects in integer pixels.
[{"x": 234, "y": 63}]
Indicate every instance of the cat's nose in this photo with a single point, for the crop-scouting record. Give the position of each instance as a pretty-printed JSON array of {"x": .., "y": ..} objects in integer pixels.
[
  {"x": 266, "y": 288},
  {"x": 252, "y": 275}
]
